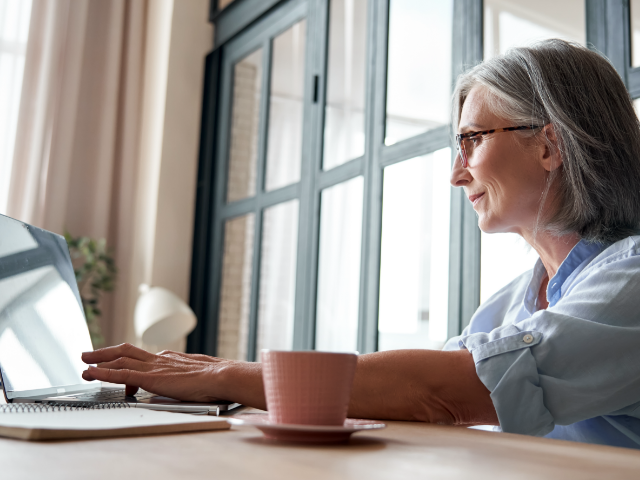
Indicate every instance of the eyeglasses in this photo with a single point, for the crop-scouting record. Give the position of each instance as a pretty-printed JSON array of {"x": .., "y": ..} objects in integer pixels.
[{"x": 466, "y": 142}]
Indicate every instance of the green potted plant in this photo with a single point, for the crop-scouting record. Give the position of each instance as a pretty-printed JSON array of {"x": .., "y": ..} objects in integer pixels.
[{"x": 95, "y": 272}]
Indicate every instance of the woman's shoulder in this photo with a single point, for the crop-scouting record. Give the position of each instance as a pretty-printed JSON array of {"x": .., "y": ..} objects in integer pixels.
[
  {"x": 626, "y": 248},
  {"x": 605, "y": 291},
  {"x": 622, "y": 255}
]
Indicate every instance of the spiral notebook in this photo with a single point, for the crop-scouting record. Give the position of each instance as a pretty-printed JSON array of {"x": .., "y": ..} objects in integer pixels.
[{"x": 45, "y": 422}]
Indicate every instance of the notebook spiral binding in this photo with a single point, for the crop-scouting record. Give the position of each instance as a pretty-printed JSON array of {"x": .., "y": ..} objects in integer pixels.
[{"x": 58, "y": 407}]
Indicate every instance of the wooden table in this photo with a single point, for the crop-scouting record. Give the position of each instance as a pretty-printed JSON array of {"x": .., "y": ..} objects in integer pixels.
[{"x": 403, "y": 450}]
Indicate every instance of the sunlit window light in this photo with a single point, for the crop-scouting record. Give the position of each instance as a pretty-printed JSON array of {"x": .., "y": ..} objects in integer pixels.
[{"x": 15, "y": 17}]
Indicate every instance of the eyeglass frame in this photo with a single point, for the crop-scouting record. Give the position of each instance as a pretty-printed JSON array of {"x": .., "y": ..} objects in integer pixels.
[{"x": 462, "y": 136}]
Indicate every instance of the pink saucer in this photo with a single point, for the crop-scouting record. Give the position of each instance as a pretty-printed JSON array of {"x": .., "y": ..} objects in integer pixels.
[{"x": 305, "y": 433}]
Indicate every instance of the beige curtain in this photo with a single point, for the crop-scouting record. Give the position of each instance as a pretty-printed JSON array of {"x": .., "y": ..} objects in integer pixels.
[{"x": 90, "y": 128}]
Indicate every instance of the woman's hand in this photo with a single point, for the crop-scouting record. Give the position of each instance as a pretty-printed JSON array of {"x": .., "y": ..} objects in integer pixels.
[{"x": 182, "y": 376}]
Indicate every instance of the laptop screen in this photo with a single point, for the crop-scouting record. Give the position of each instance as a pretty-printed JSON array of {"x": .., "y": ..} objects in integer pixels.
[{"x": 42, "y": 325}]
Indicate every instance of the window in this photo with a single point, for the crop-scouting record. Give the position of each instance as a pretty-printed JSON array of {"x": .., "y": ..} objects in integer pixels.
[
  {"x": 513, "y": 23},
  {"x": 340, "y": 252},
  {"x": 344, "y": 137},
  {"x": 417, "y": 96},
  {"x": 326, "y": 219},
  {"x": 414, "y": 270}
]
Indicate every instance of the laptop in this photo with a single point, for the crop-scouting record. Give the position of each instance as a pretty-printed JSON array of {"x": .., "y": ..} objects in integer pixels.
[{"x": 43, "y": 329}]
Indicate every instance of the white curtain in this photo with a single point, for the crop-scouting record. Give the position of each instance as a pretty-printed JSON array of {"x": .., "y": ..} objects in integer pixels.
[
  {"x": 90, "y": 141},
  {"x": 14, "y": 30}
]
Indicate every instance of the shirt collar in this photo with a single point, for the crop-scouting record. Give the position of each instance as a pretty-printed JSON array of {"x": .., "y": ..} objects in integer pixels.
[{"x": 579, "y": 256}]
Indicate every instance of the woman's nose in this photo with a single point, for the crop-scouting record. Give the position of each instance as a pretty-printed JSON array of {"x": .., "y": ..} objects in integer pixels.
[{"x": 459, "y": 176}]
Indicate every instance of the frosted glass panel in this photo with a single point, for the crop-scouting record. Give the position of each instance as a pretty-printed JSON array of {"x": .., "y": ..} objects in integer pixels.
[
  {"x": 284, "y": 147},
  {"x": 419, "y": 67},
  {"x": 514, "y": 23},
  {"x": 339, "y": 267},
  {"x": 245, "y": 120},
  {"x": 344, "y": 110},
  {"x": 233, "y": 321},
  {"x": 278, "y": 276},
  {"x": 414, "y": 270}
]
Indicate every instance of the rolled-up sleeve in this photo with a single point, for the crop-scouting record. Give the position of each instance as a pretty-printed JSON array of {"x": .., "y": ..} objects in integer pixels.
[
  {"x": 507, "y": 367},
  {"x": 577, "y": 360}
]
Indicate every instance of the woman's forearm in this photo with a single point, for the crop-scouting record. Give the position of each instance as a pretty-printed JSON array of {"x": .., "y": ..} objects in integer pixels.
[
  {"x": 424, "y": 385},
  {"x": 419, "y": 385}
]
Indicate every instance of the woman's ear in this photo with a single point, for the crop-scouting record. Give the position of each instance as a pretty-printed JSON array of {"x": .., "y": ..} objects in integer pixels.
[{"x": 550, "y": 153}]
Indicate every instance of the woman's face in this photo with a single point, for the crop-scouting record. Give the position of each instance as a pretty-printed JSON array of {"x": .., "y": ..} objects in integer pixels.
[{"x": 506, "y": 175}]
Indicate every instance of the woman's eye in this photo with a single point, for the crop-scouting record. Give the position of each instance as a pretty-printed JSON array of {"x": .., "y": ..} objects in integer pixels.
[{"x": 476, "y": 141}]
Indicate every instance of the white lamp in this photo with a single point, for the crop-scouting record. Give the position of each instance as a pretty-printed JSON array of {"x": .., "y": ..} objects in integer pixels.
[{"x": 161, "y": 317}]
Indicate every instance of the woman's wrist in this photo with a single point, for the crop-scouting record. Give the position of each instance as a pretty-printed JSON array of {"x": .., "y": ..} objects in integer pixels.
[{"x": 240, "y": 382}]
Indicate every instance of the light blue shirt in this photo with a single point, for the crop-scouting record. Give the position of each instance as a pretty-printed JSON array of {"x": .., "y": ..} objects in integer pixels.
[{"x": 571, "y": 371}]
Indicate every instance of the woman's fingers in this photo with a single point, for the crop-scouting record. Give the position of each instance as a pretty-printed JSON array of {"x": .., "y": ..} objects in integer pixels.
[
  {"x": 111, "y": 353},
  {"x": 126, "y": 363},
  {"x": 128, "y": 377}
]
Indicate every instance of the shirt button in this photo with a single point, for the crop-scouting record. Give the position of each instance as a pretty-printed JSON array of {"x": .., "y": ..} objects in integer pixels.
[{"x": 528, "y": 338}]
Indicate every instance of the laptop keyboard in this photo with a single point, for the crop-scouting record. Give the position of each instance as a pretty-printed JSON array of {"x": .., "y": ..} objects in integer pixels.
[{"x": 109, "y": 396}]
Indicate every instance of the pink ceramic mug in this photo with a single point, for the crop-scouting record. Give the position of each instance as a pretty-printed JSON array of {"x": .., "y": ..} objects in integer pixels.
[{"x": 308, "y": 388}]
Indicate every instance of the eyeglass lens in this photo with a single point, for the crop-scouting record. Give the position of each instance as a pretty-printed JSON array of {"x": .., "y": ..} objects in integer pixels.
[{"x": 462, "y": 151}]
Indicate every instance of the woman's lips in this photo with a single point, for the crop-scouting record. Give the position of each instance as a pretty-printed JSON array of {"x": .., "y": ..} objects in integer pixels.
[{"x": 474, "y": 199}]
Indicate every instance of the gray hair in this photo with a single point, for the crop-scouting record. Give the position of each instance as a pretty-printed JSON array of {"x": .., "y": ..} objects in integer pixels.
[{"x": 582, "y": 96}]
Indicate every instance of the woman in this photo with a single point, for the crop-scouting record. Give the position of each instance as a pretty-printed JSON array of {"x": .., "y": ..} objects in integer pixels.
[{"x": 548, "y": 148}]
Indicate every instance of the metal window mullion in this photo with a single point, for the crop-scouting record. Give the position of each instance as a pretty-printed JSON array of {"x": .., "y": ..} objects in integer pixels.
[
  {"x": 265, "y": 200},
  {"x": 376, "y": 75},
  {"x": 464, "y": 259},
  {"x": 265, "y": 105},
  {"x": 238, "y": 208},
  {"x": 340, "y": 174},
  {"x": 309, "y": 212},
  {"x": 236, "y": 17},
  {"x": 633, "y": 82},
  {"x": 252, "y": 337},
  {"x": 284, "y": 194},
  {"x": 608, "y": 32},
  {"x": 422, "y": 144}
]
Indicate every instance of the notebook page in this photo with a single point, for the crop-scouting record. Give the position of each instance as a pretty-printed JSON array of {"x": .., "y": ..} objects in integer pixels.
[
  {"x": 101, "y": 419},
  {"x": 36, "y": 425}
]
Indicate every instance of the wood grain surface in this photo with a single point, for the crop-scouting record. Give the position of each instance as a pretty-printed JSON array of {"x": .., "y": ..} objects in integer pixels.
[{"x": 402, "y": 450}]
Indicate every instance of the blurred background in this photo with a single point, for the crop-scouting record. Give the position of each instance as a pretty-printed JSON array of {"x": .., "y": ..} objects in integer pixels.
[{"x": 279, "y": 165}]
